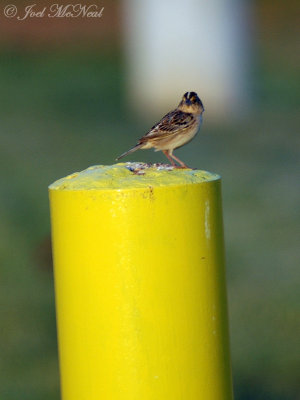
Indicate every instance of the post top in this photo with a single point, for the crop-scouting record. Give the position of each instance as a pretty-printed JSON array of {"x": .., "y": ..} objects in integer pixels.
[{"x": 131, "y": 175}]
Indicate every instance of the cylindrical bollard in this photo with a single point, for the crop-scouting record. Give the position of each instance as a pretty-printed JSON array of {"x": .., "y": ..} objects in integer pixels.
[{"x": 140, "y": 284}]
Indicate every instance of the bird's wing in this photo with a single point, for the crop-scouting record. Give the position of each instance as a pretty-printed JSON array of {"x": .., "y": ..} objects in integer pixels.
[{"x": 174, "y": 122}]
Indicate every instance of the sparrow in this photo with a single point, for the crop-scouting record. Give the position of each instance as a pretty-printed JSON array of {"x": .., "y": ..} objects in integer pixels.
[{"x": 174, "y": 130}]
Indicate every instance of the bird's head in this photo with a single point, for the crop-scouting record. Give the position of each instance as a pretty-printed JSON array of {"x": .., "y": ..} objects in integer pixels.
[{"x": 191, "y": 103}]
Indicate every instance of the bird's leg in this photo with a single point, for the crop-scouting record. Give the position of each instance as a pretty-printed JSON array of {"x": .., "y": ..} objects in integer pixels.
[
  {"x": 166, "y": 153},
  {"x": 182, "y": 164}
]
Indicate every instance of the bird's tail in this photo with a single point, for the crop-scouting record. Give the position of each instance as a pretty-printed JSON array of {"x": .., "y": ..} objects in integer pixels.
[{"x": 135, "y": 148}]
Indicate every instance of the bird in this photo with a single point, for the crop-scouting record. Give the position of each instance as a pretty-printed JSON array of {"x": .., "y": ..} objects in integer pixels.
[{"x": 174, "y": 130}]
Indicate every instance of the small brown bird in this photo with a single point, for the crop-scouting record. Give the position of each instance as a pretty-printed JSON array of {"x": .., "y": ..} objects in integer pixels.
[{"x": 174, "y": 130}]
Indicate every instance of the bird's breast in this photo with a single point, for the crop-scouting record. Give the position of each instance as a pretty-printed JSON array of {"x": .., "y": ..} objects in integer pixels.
[{"x": 185, "y": 137}]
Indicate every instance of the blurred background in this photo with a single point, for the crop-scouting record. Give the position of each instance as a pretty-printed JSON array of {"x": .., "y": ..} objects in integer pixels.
[{"x": 76, "y": 92}]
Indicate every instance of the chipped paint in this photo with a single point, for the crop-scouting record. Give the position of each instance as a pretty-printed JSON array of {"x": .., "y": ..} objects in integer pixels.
[
  {"x": 131, "y": 176},
  {"x": 206, "y": 220}
]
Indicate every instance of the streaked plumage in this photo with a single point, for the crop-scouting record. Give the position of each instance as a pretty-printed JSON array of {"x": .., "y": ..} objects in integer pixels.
[{"x": 175, "y": 129}]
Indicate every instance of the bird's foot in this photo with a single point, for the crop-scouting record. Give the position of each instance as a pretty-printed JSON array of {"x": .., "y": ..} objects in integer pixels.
[{"x": 182, "y": 167}]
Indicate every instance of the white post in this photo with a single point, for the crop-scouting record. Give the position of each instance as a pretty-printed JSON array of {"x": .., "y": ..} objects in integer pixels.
[{"x": 174, "y": 46}]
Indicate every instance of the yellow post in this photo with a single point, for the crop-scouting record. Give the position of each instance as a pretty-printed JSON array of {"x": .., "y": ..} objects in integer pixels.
[{"x": 140, "y": 285}]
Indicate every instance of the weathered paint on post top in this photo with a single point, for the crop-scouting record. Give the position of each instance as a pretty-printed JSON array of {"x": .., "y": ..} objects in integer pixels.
[
  {"x": 130, "y": 176},
  {"x": 140, "y": 284}
]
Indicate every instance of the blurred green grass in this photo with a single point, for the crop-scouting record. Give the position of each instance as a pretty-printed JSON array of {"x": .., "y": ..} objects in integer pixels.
[{"x": 61, "y": 112}]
